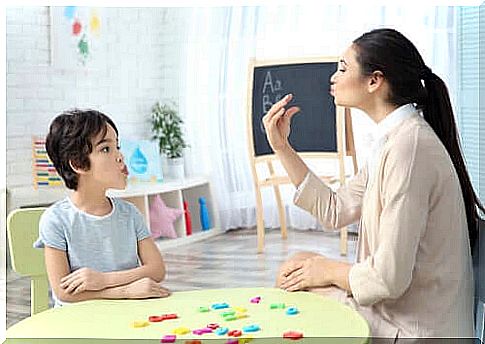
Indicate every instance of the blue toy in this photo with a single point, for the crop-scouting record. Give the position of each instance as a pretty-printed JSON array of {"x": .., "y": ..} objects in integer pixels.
[
  {"x": 221, "y": 331},
  {"x": 204, "y": 215},
  {"x": 220, "y": 305},
  {"x": 251, "y": 328}
]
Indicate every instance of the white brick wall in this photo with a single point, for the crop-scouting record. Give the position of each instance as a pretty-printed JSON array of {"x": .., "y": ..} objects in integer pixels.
[{"x": 142, "y": 49}]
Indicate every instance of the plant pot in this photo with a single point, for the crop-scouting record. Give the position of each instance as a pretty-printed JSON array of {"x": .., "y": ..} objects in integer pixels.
[{"x": 175, "y": 168}]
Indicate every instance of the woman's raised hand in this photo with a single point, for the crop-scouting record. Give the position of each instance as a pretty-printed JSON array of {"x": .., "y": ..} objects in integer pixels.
[{"x": 277, "y": 123}]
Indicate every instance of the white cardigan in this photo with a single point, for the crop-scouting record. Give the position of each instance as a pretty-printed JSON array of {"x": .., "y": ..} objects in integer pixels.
[{"x": 413, "y": 275}]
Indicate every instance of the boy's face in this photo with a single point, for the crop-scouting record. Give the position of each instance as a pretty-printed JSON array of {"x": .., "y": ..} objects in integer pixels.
[{"x": 108, "y": 169}]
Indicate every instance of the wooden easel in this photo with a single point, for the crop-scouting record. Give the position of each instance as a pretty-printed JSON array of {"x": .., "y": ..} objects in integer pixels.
[{"x": 344, "y": 148}]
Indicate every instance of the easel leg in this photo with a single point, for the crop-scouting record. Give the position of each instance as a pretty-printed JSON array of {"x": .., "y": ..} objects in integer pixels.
[
  {"x": 279, "y": 203},
  {"x": 342, "y": 132},
  {"x": 350, "y": 147},
  {"x": 259, "y": 220},
  {"x": 343, "y": 241},
  {"x": 281, "y": 211}
]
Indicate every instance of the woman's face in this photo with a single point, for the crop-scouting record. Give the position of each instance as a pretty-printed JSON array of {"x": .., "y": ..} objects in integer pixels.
[{"x": 347, "y": 85}]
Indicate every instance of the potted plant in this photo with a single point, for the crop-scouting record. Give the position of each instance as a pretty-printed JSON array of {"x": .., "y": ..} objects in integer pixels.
[{"x": 167, "y": 130}]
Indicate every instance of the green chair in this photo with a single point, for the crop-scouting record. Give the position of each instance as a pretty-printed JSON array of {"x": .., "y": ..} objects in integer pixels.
[{"x": 22, "y": 231}]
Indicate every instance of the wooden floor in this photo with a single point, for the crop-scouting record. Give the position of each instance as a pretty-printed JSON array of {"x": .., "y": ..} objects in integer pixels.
[{"x": 228, "y": 260}]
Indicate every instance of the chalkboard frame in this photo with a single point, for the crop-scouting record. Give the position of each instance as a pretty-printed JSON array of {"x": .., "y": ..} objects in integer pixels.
[
  {"x": 345, "y": 147},
  {"x": 281, "y": 62}
]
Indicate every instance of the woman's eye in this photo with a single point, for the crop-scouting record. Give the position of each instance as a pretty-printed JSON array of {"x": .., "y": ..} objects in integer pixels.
[
  {"x": 118, "y": 147},
  {"x": 105, "y": 150},
  {"x": 341, "y": 70}
]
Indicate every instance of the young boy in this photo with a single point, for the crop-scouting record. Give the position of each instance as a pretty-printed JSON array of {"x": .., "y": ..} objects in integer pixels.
[{"x": 95, "y": 246}]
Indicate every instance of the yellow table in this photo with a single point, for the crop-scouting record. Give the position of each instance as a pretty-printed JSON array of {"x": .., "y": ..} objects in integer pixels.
[{"x": 320, "y": 319}]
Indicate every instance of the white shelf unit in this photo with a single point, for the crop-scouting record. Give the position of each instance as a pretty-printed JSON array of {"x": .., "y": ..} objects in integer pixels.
[{"x": 173, "y": 193}]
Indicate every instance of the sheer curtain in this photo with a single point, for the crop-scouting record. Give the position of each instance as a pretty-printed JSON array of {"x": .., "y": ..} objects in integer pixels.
[{"x": 213, "y": 94}]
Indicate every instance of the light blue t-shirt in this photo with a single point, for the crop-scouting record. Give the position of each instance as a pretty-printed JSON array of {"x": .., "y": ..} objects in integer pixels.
[{"x": 102, "y": 243}]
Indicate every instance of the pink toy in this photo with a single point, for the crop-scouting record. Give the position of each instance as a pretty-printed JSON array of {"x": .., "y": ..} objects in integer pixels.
[
  {"x": 206, "y": 330},
  {"x": 162, "y": 218},
  {"x": 201, "y": 331},
  {"x": 168, "y": 339}
]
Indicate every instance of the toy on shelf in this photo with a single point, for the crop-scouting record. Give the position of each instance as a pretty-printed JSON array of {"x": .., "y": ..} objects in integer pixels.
[
  {"x": 162, "y": 218},
  {"x": 188, "y": 220},
  {"x": 204, "y": 214},
  {"x": 43, "y": 170}
]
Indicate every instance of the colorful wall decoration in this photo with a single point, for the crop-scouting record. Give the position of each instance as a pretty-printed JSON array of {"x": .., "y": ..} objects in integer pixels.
[
  {"x": 43, "y": 172},
  {"x": 76, "y": 36},
  {"x": 142, "y": 159}
]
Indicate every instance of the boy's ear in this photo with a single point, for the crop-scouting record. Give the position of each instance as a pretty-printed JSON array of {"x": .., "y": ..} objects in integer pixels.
[
  {"x": 375, "y": 81},
  {"x": 76, "y": 169}
]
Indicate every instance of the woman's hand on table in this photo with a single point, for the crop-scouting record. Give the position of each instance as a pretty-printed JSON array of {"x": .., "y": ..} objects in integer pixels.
[
  {"x": 277, "y": 123},
  {"x": 145, "y": 288},
  {"x": 83, "y": 279},
  {"x": 304, "y": 274}
]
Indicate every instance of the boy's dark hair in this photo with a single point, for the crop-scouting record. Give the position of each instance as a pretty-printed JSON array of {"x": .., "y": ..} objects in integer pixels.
[{"x": 69, "y": 140}]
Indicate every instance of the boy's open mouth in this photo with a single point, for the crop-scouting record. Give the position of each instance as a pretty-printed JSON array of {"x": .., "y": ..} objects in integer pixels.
[{"x": 125, "y": 170}]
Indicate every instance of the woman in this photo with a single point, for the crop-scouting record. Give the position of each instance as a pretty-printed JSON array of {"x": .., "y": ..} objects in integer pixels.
[{"x": 414, "y": 199}]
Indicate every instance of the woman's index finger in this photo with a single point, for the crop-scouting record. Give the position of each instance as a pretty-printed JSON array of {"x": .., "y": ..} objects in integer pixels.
[{"x": 279, "y": 104}]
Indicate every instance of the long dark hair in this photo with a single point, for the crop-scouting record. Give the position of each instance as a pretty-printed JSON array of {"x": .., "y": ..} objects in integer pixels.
[{"x": 388, "y": 51}]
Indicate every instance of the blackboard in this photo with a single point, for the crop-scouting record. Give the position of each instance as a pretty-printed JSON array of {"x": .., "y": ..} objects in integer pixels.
[{"x": 313, "y": 129}]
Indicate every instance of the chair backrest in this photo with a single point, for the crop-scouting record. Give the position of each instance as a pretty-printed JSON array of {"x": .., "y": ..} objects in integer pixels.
[
  {"x": 479, "y": 275},
  {"x": 22, "y": 231}
]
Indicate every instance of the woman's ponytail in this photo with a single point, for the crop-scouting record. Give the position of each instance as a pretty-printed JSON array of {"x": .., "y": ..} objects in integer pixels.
[{"x": 437, "y": 111}]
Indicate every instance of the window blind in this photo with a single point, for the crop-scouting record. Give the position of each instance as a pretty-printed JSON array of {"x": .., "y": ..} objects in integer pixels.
[{"x": 470, "y": 109}]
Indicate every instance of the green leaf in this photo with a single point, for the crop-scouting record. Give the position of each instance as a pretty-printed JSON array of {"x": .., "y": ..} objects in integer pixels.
[{"x": 166, "y": 128}]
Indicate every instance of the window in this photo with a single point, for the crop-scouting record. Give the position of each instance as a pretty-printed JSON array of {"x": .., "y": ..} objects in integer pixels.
[{"x": 471, "y": 86}]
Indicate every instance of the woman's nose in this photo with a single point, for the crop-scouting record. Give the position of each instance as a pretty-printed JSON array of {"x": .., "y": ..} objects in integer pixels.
[
  {"x": 332, "y": 78},
  {"x": 120, "y": 158}
]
